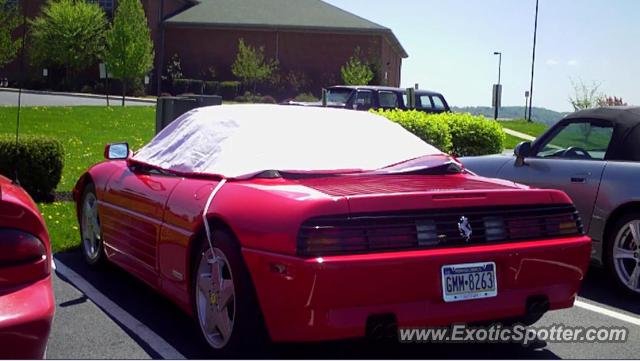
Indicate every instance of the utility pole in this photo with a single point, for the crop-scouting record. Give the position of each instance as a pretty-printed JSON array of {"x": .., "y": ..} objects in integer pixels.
[
  {"x": 533, "y": 60},
  {"x": 16, "y": 179},
  {"x": 499, "y": 88},
  {"x": 160, "y": 61},
  {"x": 526, "y": 103}
]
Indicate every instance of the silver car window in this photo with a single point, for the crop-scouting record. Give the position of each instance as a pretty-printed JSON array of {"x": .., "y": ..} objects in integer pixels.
[{"x": 582, "y": 140}]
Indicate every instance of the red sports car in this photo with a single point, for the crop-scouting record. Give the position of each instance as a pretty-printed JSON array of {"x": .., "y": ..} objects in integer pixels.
[
  {"x": 26, "y": 296},
  {"x": 306, "y": 224}
]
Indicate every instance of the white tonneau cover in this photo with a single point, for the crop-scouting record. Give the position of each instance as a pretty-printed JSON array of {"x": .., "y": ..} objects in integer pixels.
[{"x": 237, "y": 141}]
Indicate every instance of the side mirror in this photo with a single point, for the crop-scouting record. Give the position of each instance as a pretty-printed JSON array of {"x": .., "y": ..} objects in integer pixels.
[
  {"x": 116, "y": 151},
  {"x": 522, "y": 151}
]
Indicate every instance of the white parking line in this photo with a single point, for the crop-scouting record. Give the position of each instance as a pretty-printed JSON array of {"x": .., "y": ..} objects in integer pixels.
[
  {"x": 608, "y": 312},
  {"x": 157, "y": 343}
]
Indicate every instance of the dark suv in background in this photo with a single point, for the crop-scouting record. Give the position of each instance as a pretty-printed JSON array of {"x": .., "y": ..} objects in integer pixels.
[{"x": 380, "y": 97}]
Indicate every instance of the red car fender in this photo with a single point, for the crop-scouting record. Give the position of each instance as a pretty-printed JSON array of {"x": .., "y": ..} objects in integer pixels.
[
  {"x": 278, "y": 208},
  {"x": 19, "y": 211},
  {"x": 99, "y": 174}
]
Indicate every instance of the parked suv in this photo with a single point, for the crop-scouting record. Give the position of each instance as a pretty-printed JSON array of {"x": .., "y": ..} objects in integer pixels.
[{"x": 380, "y": 97}]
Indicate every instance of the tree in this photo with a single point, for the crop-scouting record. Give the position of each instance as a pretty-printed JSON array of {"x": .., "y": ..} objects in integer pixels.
[
  {"x": 250, "y": 65},
  {"x": 608, "y": 101},
  {"x": 356, "y": 71},
  {"x": 129, "y": 53},
  {"x": 585, "y": 96},
  {"x": 68, "y": 34},
  {"x": 9, "y": 22}
]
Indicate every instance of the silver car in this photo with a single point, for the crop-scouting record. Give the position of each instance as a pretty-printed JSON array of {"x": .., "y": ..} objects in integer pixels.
[{"x": 594, "y": 156}]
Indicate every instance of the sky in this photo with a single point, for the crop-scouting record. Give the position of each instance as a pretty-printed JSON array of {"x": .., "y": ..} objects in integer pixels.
[{"x": 451, "y": 44}]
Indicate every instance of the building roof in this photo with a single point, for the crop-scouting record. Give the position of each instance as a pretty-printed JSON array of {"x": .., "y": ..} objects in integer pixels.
[{"x": 314, "y": 15}]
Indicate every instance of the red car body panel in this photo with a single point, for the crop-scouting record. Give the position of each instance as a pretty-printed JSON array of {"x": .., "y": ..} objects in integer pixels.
[
  {"x": 332, "y": 298},
  {"x": 27, "y": 304},
  {"x": 151, "y": 220}
]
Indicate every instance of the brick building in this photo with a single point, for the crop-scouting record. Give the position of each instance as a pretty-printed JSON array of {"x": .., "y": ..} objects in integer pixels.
[{"x": 308, "y": 36}]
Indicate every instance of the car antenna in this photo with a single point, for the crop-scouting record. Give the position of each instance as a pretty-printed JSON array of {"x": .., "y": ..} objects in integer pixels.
[{"x": 20, "y": 84}]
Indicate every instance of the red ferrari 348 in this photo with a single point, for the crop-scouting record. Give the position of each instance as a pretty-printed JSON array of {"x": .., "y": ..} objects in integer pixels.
[
  {"x": 26, "y": 296},
  {"x": 304, "y": 224}
]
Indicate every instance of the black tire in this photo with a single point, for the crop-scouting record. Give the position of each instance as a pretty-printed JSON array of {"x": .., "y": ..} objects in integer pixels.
[
  {"x": 616, "y": 275},
  {"x": 248, "y": 336},
  {"x": 96, "y": 257}
]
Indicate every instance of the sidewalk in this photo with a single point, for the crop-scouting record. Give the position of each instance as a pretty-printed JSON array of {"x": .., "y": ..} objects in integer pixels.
[
  {"x": 114, "y": 98},
  {"x": 519, "y": 134}
]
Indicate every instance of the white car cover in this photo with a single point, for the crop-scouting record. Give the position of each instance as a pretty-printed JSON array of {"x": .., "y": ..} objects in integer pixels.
[{"x": 236, "y": 141}]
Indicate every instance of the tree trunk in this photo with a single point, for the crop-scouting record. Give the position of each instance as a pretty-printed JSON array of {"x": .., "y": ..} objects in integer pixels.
[{"x": 124, "y": 90}]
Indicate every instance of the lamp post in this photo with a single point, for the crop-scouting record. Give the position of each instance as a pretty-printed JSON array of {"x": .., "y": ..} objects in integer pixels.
[
  {"x": 498, "y": 90},
  {"x": 533, "y": 60}
]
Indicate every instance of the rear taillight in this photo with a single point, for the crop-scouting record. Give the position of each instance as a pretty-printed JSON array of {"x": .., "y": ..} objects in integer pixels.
[
  {"x": 400, "y": 231},
  {"x": 319, "y": 241},
  {"x": 322, "y": 241},
  {"x": 17, "y": 247},
  {"x": 23, "y": 258}
]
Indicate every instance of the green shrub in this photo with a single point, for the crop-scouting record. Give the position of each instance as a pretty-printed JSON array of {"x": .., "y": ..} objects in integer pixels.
[
  {"x": 187, "y": 86},
  {"x": 433, "y": 131},
  {"x": 268, "y": 99},
  {"x": 457, "y": 134},
  {"x": 211, "y": 87},
  {"x": 38, "y": 160},
  {"x": 474, "y": 135},
  {"x": 306, "y": 97},
  {"x": 229, "y": 90},
  {"x": 255, "y": 98}
]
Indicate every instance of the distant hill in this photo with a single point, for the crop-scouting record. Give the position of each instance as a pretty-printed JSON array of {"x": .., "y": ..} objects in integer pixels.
[{"x": 540, "y": 115}]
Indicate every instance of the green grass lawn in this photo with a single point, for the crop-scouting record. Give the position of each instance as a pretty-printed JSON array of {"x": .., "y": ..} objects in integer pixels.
[
  {"x": 522, "y": 126},
  {"x": 511, "y": 141},
  {"x": 83, "y": 131},
  {"x": 62, "y": 224}
]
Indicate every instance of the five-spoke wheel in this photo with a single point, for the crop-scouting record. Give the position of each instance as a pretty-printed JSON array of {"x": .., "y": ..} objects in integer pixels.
[
  {"x": 224, "y": 300},
  {"x": 216, "y": 298},
  {"x": 90, "y": 231}
]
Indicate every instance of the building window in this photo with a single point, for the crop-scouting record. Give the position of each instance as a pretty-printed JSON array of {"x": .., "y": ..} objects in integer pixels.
[{"x": 106, "y": 5}]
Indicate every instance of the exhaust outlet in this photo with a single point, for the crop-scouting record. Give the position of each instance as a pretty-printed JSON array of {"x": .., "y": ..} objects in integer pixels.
[{"x": 382, "y": 327}]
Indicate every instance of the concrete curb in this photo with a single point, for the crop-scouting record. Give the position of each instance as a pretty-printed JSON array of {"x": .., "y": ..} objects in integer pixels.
[{"x": 115, "y": 98}]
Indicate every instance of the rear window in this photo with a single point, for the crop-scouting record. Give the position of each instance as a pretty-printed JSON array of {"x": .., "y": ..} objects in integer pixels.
[
  {"x": 438, "y": 103},
  {"x": 388, "y": 99},
  {"x": 338, "y": 95},
  {"x": 424, "y": 102}
]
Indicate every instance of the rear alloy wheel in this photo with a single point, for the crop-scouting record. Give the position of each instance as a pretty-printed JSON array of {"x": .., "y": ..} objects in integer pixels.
[
  {"x": 624, "y": 253},
  {"x": 90, "y": 230},
  {"x": 216, "y": 300},
  {"x": 224, "y": 300}
]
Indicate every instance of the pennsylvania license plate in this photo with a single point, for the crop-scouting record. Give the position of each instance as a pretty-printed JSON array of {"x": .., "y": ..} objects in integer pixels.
[{"x": 469, "y": 281}]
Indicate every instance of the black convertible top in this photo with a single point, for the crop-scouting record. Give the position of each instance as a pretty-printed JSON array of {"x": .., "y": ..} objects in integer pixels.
[{"x": 625, "y": 142}]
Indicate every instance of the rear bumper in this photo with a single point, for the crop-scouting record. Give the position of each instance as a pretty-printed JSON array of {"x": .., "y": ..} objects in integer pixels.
[
  {"x": 332, "y": 298},
  {"x": 26, "y": 315}
]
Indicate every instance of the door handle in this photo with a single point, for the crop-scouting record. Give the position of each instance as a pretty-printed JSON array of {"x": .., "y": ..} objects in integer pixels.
[{"x": 580, "y": 177}]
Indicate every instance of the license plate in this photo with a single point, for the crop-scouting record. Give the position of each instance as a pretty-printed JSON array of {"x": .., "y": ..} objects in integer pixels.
[{"x": 469, "y": 281}]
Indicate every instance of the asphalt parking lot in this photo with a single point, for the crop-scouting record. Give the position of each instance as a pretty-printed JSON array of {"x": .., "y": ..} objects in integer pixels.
[{"x": 107, "y": 313}]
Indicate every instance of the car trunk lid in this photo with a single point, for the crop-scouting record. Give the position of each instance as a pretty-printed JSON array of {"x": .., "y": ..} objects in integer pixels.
[{"x": 409, "y": 192}]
